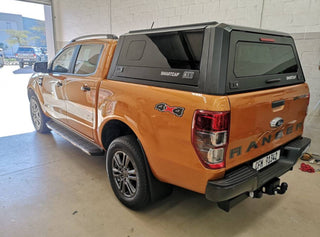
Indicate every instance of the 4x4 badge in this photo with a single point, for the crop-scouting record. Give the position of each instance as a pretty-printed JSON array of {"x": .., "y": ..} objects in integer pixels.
[
  {"x": 163, "y": 107},
  {"x": 276, "y": 122}
]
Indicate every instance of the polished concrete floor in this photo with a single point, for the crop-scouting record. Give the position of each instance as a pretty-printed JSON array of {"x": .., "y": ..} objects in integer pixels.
[{"x": 50, "y": 188}]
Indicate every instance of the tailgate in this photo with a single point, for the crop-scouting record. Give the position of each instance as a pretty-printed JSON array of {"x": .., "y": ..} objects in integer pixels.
[
  {"x": 267, "y": 94},
  {"x": 264, "y": 120}
]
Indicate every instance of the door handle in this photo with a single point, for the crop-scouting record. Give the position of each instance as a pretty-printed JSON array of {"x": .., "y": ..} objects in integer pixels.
[
  {"x": 40, "y": 79},
  {"x": 85, "y": 87},
  {"x": 59, "y": 83}
]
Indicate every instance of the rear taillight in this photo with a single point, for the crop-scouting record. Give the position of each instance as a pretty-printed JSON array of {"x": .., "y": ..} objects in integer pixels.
[
  {"x": 34, "y": 55},
  {"x": 210, "y": 137}
]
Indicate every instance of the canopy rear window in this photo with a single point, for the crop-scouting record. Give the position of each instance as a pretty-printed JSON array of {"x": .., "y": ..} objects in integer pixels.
[{"x": 256, "y": 59}]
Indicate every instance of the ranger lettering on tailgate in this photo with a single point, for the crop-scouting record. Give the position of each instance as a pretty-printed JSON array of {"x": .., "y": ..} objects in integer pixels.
[{"x": 265, "y": 139}]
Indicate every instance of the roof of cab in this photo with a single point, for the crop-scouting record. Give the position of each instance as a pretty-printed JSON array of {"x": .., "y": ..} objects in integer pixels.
[{"x": 94, "y": 37}]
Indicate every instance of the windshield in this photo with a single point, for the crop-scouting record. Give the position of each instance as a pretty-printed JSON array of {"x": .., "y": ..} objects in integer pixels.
[{"x": 25, "y": 50}]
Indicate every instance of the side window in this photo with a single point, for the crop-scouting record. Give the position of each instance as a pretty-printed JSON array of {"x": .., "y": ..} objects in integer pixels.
[
  {"x": 181, "y": 49},
  {"x": 63, "y": 62},
  {"x": 135, "y": 50},
  {"x": 174, "y": 50},
  {"x": 170, "y": 57},
  {"x": 88, "y": 58}
]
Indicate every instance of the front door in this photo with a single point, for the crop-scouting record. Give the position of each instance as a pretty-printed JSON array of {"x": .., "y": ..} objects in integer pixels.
[{"x": 53, "y": 85}]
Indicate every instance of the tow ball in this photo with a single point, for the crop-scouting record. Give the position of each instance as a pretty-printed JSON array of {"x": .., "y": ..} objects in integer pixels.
[{"x": 273, "y": 187}]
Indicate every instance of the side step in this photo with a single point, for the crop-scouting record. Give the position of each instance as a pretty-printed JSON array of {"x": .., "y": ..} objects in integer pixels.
[{"x": 75, "y": 139}]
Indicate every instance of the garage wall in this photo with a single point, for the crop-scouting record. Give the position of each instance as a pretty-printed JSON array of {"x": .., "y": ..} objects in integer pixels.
[
  {"x": 308, "y": 45},
  {"x": 301, "y": 18},
  {"x": 293, "y": 16},
  {"x": 74, "y": 18}
]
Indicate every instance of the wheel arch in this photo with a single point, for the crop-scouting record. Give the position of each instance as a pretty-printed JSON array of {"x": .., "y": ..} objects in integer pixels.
[
  {"x": 115, "y": 128},
  {"x": 36, "y": 92},
  {"x": 33, "y": 89}
]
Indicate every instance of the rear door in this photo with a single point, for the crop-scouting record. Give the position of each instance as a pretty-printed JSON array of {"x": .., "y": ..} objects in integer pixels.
[
  {"x": 80, "y": 89},
  {"x": 267, "y": 94}
]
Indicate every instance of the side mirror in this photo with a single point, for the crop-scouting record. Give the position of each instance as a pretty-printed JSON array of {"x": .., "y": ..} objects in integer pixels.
[{"x": 41, "y": 67}]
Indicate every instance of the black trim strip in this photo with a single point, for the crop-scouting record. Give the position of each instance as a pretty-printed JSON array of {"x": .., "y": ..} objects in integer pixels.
[{"x": 273, "y": 80}]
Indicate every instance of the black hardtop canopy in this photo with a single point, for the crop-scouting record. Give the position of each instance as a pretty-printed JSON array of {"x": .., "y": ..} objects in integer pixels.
[{"x": 197, "y": 26}]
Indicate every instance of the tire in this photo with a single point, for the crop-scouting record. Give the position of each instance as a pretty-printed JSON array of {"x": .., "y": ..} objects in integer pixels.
[
  {"x": 39, "y": 119},
  {"x": 21, "y": 64},
  {"x": 127, "y": 172}
]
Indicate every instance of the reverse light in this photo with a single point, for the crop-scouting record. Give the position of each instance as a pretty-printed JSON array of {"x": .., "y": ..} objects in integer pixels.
[{"x": 210, "y": 137}]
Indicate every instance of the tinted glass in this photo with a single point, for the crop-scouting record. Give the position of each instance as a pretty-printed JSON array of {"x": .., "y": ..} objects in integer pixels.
[
  {"x": 253, "y": 59},
  {"x": 87, "y": 59},
  {"x": 136, "y": 50},
  {"x": 63, "y": 61},
  {"x": 181, "y": 49}
]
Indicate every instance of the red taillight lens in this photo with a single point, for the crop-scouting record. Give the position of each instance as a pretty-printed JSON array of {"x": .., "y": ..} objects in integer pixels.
[
  {"x": 34, "y": 55},
  {"x": 210, "y": 137}
]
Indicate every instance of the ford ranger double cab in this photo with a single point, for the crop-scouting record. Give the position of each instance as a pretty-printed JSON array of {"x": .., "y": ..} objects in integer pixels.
[{"x": 214, "y": 108}]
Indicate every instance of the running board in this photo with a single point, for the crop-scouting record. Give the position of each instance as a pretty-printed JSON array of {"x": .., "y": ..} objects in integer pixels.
[{"x": 75, "y": 139}]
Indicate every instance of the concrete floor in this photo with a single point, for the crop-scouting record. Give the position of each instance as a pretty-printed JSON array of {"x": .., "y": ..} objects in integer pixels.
[{"x": 50, "y": 188}]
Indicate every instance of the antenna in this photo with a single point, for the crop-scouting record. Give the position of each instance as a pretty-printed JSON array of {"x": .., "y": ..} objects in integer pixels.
[{"x": 152, "y": 24}]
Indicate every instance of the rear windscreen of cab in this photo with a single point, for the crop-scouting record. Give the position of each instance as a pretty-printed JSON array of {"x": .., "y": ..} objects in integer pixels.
[{"x": 259, "y": 61}]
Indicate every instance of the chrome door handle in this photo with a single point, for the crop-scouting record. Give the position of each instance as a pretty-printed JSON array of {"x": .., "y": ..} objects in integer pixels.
[
  {"x": 59, "y": 83},
  {"x": 85, "y": 88}
]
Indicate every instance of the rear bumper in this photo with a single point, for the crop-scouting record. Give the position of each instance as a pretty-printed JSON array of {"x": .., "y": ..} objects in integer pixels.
[{"x": 246, "y": 179}]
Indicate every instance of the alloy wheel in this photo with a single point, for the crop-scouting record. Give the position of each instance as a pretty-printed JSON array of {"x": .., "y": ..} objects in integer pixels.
[
  {"x": 35, "y": 113},
  {"x": 125, "y": 174}
]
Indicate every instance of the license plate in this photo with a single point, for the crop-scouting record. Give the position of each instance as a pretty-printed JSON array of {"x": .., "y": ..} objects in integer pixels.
[{"x": 267, "y": 160}]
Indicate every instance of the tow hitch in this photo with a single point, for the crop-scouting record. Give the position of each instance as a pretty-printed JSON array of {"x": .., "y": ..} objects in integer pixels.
[{"x": 272, "y": 187}]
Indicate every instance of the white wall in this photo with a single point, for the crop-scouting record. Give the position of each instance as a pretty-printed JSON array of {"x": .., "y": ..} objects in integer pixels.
[
  {"x": 308, "y": 46},
  {"x": 73, "y": 18},
  {"x": 294, "y": 16},
  {"x": 49, "y": 31},
  {"x": 77, "y": 17}
]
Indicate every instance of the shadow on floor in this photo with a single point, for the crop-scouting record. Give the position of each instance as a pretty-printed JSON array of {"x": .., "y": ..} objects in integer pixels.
[{"x": 24, "y": 70}]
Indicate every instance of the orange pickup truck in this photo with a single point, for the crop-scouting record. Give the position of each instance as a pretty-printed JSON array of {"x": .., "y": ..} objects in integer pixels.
[{"x": 214, "y": 108}]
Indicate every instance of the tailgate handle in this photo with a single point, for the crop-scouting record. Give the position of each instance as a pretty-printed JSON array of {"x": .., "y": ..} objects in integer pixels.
[
  {"x": 278, "y": 103},
  {"x": 273, "y": 80}
]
